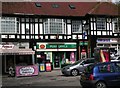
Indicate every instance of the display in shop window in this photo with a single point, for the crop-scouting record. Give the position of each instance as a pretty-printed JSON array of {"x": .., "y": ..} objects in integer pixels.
[
  {"x": 102, "y": 54},
  {"x": 72, "y": 57}
]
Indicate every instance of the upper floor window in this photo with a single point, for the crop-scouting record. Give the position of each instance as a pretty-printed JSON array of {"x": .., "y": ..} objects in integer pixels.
[
  {"x": 54, "y": 26},
  {"x": 116, "y": 25},
  {"x": 76, "y": 27},
  {"x": 8, "y": 25},
  {"x": 101, "y": 23}
]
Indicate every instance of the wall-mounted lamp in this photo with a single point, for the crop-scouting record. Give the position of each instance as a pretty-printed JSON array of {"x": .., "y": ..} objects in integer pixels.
[{"x": 84, "y": 22}]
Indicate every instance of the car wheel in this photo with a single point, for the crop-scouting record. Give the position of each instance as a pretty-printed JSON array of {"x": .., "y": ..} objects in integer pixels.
[
  {"x": 100, "y": 85},
  {"x": 74, "y": 72}
]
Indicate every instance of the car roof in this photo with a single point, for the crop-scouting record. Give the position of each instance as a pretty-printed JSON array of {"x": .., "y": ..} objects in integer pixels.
[
  {"x": 102, "y": 63},
  {"x": 87, "y": 58}
]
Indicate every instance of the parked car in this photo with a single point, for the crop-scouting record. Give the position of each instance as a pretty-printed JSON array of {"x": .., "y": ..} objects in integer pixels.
[
  {"x": 78, "y": 67},
  {"x": 101, "y": 75}
]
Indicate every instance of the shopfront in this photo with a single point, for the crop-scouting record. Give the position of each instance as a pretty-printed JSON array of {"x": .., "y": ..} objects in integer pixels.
[
  {"x": 57, "y": 53},
  {"x": 61, "y": 53},
  {"x": 13, "y": 56},
  {"x": 112, "y": 43}
]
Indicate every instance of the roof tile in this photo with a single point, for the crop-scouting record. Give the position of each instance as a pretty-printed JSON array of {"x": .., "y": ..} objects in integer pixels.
[{"x": 81, "y": 8}]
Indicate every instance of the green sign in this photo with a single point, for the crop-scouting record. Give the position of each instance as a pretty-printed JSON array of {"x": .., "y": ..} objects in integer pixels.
[
  {"x": 67, "y": 46},
  {"x": 37, "y": 46},
  {"x": 83, "y": 43},
  {"x": 51, "y": 46},
  {"x": 59, "y": 46}
]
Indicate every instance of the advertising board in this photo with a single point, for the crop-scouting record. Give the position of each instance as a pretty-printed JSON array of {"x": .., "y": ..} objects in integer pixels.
[{"x": 26, "y": 70}]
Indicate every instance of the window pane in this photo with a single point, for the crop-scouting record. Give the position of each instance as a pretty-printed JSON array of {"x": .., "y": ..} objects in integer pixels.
[
  {"x": 101, "y": 23},
  {"x": 76, "y": 27},
  {"x": 106, "y": 68},
  {"x": 117, "y": 67},
  {"x": 9, "y": 25},
  {"x": 54, "y": 26}
]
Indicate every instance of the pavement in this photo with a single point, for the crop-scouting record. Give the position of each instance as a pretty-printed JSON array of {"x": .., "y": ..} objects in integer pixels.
[{"x": 50, "y": 79}]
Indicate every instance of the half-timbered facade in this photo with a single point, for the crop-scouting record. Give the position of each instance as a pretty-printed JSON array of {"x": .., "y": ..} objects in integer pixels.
[{"x": 59, "y": 32}]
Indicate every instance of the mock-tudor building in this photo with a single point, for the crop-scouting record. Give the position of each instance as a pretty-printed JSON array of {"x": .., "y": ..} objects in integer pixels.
[{"x": 59, "y": 32}]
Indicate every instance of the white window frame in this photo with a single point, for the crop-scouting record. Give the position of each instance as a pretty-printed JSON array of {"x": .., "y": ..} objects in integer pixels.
[
  {"x": 9, "y": 19},
  {"x": 116, "y": 26},
  {"x": 78, "y": 23},
  {"x": 101, "y": 24},
  {"x": 49, "y": 22}
]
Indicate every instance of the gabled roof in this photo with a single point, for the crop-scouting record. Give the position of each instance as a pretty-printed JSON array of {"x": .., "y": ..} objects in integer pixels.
[{"x": 63, "y": 9}]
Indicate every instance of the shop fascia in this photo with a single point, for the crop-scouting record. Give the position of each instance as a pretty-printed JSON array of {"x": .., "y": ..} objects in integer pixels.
[
  {"x": 59, "y": 45},
  {"x": 107, "y": 40},
  {"x": 7, "y": 46},
  {"x": 12, "y": 45}
]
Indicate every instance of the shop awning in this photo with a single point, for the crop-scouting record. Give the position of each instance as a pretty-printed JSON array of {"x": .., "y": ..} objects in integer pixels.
[{"x": 16, "y": 51}]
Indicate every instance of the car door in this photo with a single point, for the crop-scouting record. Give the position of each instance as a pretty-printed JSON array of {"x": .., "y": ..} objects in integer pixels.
[
  {"x": 108, "y": 74},
  {"x": 117, "y": 71},
  {"x": 81, "y": 66}
]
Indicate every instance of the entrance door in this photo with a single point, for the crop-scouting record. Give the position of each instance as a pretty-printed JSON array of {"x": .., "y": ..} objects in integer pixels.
[
  {"x": 57, "y": 56},
  {"x": 10, "y": 61}
]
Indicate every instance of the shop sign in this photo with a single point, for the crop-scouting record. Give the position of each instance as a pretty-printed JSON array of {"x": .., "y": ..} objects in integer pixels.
[
  {"x": 60, "y": 46},
  {"x": 67, "y": 46},
  {"x": 103, "y": 40},
  {"x": 83, "y": 43},
  {"x": 107, "y": 40},
  {"x": 51, "y": 46},
  {"x": 41, "y": 46},
  {"x": 6, "y": 46},
  {"x": 26, "y": 70},
  {"x": 55, "y": 46}
]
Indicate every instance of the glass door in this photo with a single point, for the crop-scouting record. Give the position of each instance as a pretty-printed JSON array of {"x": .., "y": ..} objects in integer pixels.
[
  {"x": 9, "y": 61},
  {"x": 57, "y": 57}
]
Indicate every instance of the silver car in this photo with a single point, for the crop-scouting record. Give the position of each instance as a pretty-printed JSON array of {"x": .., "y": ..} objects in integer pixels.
[{"x": 78, "y": 67}]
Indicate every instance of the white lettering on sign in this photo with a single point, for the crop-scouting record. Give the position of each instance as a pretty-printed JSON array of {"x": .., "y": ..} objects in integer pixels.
[
  {"x": 103, "y": 40},
  {"x": 27, "y": 71},
  {"x": 7, "y": 46}
]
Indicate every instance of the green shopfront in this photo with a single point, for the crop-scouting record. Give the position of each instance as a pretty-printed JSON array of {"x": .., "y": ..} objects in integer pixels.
[{"x": 58, "y": 53}]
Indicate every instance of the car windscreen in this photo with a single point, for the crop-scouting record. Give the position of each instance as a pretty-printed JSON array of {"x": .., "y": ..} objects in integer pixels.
[
  {"x": 77, "y": 62},
  {"x": 89, "y": 69}
]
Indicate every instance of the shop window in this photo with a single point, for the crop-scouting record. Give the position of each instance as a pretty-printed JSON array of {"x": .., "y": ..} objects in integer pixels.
[
  {"x": 24, "y": 60},
  {"x": 41, "y": 57},
  {"x": 71, "y": 56}
]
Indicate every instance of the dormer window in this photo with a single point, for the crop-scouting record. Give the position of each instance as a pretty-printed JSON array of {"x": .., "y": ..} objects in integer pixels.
[
  {"x": 55, "y": 5},
  {"x": 38, "y": 5},
  {"x": 72, "y": 6}
]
